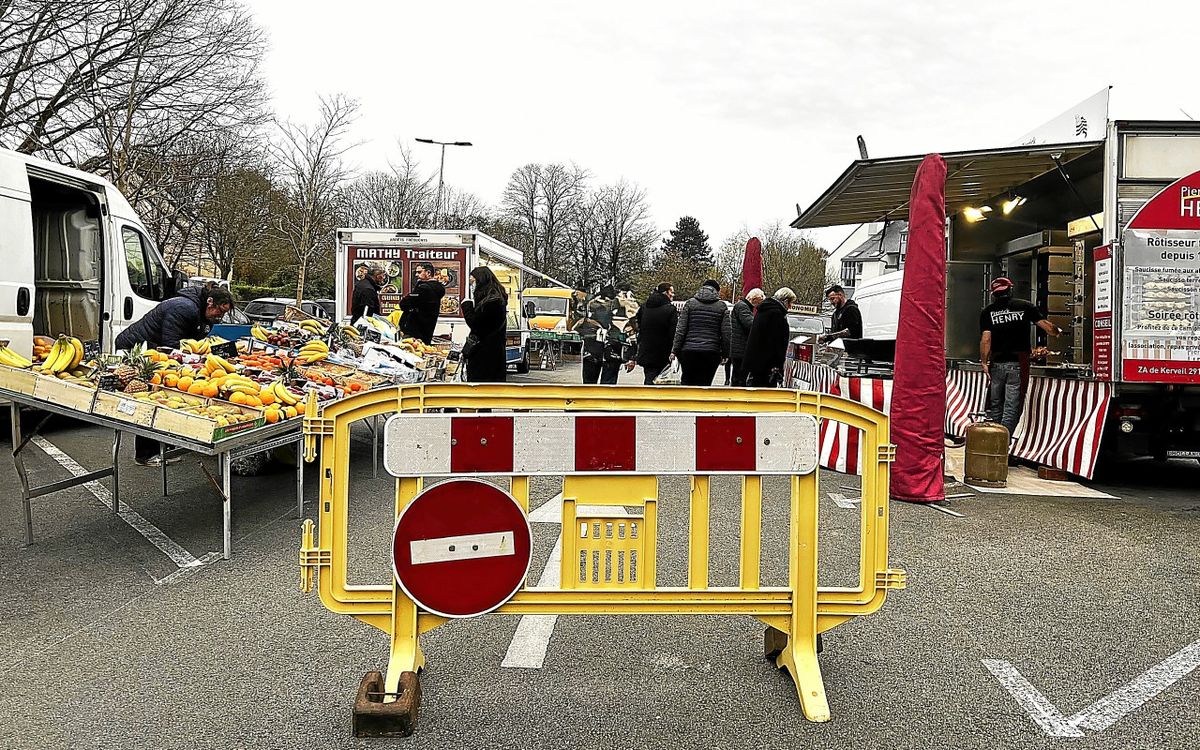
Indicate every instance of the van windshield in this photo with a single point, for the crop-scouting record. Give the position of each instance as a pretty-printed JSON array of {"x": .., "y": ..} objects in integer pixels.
[{"x": 537, "y": 306}]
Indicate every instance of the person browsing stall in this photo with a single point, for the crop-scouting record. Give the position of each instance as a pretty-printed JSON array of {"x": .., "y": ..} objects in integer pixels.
[{"x": 422, "y": 305}]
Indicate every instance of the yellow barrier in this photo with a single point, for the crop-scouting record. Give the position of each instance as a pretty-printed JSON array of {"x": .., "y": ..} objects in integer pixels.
[{"x": 794, "y": 615}]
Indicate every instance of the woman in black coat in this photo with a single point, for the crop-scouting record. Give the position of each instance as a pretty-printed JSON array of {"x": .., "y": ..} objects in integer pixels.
[
  {"x": 487, "y": 317},
  {"x": 766, "y": 346}
]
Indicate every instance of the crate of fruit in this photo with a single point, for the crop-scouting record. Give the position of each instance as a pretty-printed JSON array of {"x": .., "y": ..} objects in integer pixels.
[
  {"x": 124, "y": 408},
  {"x": 72, "y": 395},
  {"x": 18, "y": 379},
  {"x": 207, "y": 420}
]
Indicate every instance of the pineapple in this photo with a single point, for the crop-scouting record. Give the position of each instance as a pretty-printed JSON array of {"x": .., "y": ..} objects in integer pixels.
[
  {"x": 288, "y": 370},
  {"x": 143, "y": 372},
  {"x": 131, "y": 365}
]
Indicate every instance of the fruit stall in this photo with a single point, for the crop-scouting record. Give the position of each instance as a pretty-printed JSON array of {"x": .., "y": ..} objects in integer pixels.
[{"x": 229, "y": 399}]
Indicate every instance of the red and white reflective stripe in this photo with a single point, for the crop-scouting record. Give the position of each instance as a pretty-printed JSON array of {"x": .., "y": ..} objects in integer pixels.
[
  {"x": 621, "y": 443},
  {"x": 840, "y": 443}
]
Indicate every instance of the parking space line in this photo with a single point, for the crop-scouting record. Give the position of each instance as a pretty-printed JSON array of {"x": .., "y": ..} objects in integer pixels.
[
  {"x": 842, "y": 501},
  {"x": 529, "y": 644},
  {"x": 181, "y": 557}
]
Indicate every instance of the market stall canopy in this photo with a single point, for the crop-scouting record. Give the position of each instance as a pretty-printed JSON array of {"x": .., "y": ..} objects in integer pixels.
[{"x": 875, "y": 189}]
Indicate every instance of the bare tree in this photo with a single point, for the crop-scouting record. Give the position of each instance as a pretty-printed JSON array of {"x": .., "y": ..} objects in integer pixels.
[
  {"x": 235, "y": 220},
  {"x": 631, "y": 234},
  {"x": 312, "y": 175},
  {"x": 790, "y": 258},
  {"x": 521, "y": 202},
  {"x": 100, "y": 84},
  {"x": 401, "y": 197}
]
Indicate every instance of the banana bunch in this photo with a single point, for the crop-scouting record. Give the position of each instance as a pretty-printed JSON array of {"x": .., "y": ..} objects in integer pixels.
[
  {"x": 394, "y": 318},
  {"x": 218, "y": 365},
  {"x": 65, "y": 355},
  {"x": 313, "y": 351},
  {"x": 233, "y": 383},
  {"x": 192, "y": 346},
  {"x": 351, "y": 332},
  {"x": 282, "y": 394},
  {"x": 10, "y": 358},
  {"x": 259, "y": 333},
  {"x": 313, "y": 327}
]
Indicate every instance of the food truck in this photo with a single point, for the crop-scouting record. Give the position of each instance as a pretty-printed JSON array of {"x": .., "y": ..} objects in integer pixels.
[{"x": 1103, "y": 235}]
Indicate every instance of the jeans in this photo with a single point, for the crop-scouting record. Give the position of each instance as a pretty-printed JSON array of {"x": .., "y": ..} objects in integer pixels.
[
  {"x": 1004, "y": 395},
  {"x": 699, "y": 367},
  {"x": 739, "y": 371},
  {"x": 604, "y": 373}
]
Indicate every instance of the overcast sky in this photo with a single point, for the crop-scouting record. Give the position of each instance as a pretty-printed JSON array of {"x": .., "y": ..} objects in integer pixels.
[{"x": 730, "y": 112}]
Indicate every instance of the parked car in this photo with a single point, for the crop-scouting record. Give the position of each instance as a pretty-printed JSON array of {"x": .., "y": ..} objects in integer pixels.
[
  {"x": 267, "y": 309},
  {"x": 329, "y": 306}
]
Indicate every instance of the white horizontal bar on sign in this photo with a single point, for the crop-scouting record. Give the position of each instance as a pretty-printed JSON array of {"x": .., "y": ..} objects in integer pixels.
[
  {"x": 416, "y": 445},
  {"x": 466, "y": 547},
  {"x": 543, "y": 444},
  {"x": 787, "y": 443},
  {"x": 666, "y": 443}
]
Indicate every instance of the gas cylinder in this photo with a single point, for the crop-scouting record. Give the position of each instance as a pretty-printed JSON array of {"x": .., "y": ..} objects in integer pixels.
[{"x": 986, "y": 459}]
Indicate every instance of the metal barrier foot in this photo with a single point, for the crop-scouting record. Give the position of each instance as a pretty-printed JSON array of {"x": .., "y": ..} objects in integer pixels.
[{"x": 373, "y": 717}]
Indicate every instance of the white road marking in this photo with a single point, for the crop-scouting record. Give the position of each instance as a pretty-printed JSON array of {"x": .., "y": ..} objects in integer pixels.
[
  {"x": 1104, "y": 712},
  {"x": 842, "y": 501},
  {"x": 947, "y": 511},
  {"x": 152, "y": 533},
  {"x": 529, "y": 644}
]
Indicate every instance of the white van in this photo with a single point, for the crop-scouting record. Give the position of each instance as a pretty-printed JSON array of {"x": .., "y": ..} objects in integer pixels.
[
  {"x": 76, "y": 258},
  {"x": 879, "y": 302}
]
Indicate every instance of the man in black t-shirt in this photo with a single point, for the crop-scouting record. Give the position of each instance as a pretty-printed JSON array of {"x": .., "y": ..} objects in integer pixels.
[{"x": 1004, "y": 325}]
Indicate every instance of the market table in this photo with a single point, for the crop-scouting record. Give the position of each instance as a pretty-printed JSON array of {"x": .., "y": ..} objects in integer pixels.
[
  {"x": 245, "y": 443},
  {"x": 550, "y": 346}
]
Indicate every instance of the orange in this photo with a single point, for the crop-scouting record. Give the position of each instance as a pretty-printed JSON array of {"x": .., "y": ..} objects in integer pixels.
[
  {"x": 185, "y": 383},
  {"x": 171, "y": 380},
  {"x": 249, "y": 400},
  {"x": 266, "y": 397},
  {"x": 156, "y": 379},
  {"x": 238, "y": 397},
  {"x": 290, "y": 411},
  {"x": 196, "y": 389},
  {"x": 210, "y": 391},
  {"x": 272, "y": 415}
]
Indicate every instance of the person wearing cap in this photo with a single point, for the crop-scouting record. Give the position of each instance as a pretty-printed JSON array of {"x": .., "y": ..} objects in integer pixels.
[{"x": 1004, "y": 327}]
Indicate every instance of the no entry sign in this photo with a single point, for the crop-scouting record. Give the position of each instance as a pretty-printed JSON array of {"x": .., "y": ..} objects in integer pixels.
[{"x": 461, "y": 548}]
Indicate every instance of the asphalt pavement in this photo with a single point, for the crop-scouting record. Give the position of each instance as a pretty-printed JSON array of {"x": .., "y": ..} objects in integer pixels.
[{"x": 105, "y": 642}]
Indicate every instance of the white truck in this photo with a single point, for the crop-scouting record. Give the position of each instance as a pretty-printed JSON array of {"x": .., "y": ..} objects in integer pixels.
[
  {"x": 77, "y": 259},
  {"x": 1103, "y": 235},
  {"x": 453, "y": 255}
]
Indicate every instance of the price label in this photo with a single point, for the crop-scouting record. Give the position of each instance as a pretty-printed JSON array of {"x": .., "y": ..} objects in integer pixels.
[
  {"x": 228, "y": 350},
  {"x": 127, "y": 407}
]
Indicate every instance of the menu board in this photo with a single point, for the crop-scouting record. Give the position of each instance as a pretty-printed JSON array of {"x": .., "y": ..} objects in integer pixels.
[
  {"x": 1160, "y": 328},
  {"x": 399, "y": 264}
]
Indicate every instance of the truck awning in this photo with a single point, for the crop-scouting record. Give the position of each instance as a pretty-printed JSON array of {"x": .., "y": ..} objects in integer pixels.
[{"x": 875, "y": 189}]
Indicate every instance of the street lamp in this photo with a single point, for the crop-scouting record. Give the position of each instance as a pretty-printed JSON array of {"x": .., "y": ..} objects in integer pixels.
[{"x": 438, "y": 211}]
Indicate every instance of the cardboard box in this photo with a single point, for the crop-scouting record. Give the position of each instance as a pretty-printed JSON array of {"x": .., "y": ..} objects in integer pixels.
[
  {"x": 124, "y": 408},
  {"x": 18, "y": 380},
  {"x": 63, "y": 393}
]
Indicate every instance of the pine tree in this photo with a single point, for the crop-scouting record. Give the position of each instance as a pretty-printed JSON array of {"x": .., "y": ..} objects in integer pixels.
[{"x": 689, "y": 242}]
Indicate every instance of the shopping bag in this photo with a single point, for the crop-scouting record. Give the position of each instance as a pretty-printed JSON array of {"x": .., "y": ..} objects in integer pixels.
[{"x": 671, "y": 375}]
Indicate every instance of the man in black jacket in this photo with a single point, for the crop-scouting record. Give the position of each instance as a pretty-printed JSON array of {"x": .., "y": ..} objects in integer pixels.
[
  {"x": 656, "y": 331},
  {"x": 766, "y": 348},
  {"x": 186, "y": 316},
  {"x": 365, "y": 301},
  {"x": 846, "y": 322},
  {"x": 742, "y": 318},
  {"x": 422, "y": 305}
]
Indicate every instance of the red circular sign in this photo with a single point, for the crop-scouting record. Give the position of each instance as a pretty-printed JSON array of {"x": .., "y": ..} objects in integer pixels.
[{"x": 461, "y": 548}]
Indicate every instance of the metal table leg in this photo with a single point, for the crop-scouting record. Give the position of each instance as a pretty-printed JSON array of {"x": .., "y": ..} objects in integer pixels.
[
  {"x": 162, "y": 462},
  {"x": 14, "y": 411},
  {"x": 226, "y": 466},
  {"x": 116, "y": 476}
]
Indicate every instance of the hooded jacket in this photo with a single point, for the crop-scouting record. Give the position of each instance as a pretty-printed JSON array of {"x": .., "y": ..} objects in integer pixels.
[
  {"x": 181, "y": 317},
  {"x": 365, "y": 300},
  {"x": 848, "y": 317},
  {"x": 703, "y": 325},
  {"x": 421, "y": 308},
  {"x": 656, "y": 331}
]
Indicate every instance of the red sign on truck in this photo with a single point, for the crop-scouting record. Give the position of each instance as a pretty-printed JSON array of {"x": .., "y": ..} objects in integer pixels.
[{"x": 399, "y": 265}]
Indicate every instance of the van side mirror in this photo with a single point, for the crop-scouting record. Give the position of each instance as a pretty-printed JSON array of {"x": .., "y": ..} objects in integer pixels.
[{"x": 179, "y": 281}]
